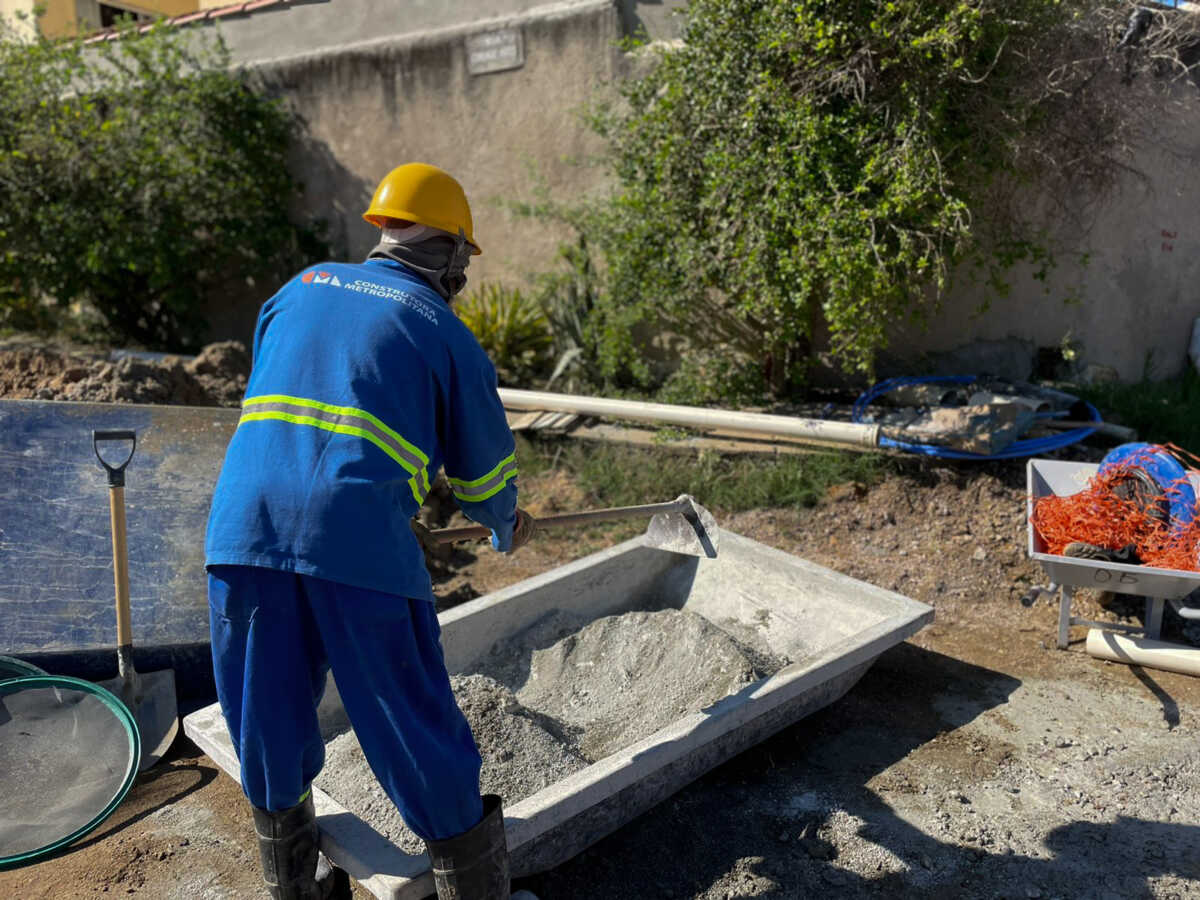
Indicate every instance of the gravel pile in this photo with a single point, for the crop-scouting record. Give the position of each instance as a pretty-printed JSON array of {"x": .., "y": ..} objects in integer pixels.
[
  {"x": 622, "y": 678},
  {"x": 590, "y": 693},
  {"x": 520, "y": 757}
]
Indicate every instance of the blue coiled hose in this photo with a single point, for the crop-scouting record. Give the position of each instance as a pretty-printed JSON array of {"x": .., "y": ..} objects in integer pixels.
[{"x": 1015, "y": 450}]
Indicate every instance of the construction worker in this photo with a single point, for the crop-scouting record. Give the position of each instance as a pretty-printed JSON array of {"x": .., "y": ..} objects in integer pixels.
[{"x": 364, "y": 384}]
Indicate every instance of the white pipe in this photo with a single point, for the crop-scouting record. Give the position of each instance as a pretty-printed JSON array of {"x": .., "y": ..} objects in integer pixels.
[
  {"x": 1186, "y": 612},
  {"x": 1143, "y": 652},
  {"x": 811, "y": 431}
]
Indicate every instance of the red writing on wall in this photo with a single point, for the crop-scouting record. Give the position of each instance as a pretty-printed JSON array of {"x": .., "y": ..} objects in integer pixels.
[{"x": 1167, "y": 246}]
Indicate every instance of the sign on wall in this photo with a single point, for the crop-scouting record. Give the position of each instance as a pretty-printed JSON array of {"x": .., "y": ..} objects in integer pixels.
[{"x": 495, "y": 51}]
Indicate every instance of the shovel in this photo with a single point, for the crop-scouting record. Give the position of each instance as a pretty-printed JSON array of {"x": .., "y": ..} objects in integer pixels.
[
  {"x": 681, "y": 525},
  {"x": 149, "y": 696}
]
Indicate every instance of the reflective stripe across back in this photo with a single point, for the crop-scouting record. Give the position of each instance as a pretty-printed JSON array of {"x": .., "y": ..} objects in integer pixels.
[{"x": 343, "y": 420}]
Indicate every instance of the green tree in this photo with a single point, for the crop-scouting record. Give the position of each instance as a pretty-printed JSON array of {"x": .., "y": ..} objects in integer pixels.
[
  {"x": 140, "y": 175},
  {"x": 801, "y": 165}
]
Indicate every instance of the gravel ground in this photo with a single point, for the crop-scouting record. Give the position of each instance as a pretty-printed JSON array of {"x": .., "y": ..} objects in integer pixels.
[
  {"x": 933, "y": 777},
  {"x": 974, "y": 761}
]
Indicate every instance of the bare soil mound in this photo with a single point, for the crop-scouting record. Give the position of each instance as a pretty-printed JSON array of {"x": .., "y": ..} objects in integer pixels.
[{"x": 215, "y": 377}]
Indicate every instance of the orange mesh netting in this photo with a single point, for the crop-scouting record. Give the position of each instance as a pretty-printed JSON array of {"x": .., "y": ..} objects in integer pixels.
[{"x": 1099, "y": 515}]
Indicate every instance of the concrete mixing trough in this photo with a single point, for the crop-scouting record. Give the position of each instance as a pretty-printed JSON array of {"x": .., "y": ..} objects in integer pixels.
[{"x": 832, "y": 628}]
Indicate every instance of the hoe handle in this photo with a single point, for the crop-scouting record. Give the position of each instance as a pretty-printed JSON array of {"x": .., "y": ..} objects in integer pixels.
[{"x": 449, "y": 535}]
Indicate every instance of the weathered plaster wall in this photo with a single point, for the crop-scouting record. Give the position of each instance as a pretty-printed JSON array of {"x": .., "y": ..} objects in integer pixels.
[
  {"x": 1138, "y": 291},
  {"x": 311, "y": 26},
  {"x": 659, "y": 20},
  {"x": 370, "y": 106}
]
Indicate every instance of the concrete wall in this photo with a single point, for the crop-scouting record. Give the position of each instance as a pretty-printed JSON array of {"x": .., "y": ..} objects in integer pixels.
[
  {"x": 304, "y": 27},
  {"x": 659, "y": 20},
  {"x": 368, "y": 107},
  {"x": 63, "y": 17},
  {"x": 9, "y": 10},
  {"x": 310, "y": 26},
  {"x": 1135, "y": 297}
]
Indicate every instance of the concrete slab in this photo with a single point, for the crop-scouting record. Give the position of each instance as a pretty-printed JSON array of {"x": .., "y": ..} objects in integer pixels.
[{"x": 831, "y": 626}]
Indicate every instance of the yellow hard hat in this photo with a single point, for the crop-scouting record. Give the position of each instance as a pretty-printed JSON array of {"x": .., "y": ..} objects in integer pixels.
[{"x": 426, "y": 195}]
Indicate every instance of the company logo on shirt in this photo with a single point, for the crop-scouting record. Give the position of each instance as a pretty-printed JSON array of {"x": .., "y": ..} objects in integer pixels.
[
  {"x": 314, "y": 277},
  {"x": 386, "y": 292},
  {"x": 374, "y": 289}
]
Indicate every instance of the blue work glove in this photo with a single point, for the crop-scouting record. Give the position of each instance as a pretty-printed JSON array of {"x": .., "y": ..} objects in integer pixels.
[{"x": 524, "y": 530}]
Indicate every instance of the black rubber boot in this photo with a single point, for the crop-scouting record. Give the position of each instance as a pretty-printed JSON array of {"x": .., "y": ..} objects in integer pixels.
[
  {"x": 293, "y": 867},
  {"x": 473, "y": 865},
  {"x": 1083, "y": 550}
]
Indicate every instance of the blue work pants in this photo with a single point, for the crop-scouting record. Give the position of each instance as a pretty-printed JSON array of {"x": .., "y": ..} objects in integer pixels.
[{"x": 275, "y": 635}]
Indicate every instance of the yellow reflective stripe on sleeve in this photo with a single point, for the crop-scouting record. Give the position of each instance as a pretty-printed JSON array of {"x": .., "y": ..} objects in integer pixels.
[
  {"x": 343, "y": 420},
  {"x": 488, "y": 485}
]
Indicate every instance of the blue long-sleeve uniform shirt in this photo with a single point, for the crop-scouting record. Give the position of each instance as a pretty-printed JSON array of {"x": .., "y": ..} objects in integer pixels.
[{"x": 364, "y": 384}]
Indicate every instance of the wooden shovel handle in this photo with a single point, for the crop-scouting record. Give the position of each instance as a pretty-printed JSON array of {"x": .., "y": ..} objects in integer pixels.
[{"x": 120, "y": 543}]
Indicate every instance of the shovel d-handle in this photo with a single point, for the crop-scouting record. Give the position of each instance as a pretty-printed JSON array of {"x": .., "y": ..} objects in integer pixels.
[
  {"x": 120, "y": 543},
  {"x": 116, "y": 473}
]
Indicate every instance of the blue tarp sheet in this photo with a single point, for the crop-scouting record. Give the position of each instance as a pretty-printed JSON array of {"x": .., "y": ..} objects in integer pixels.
[{"x": 56, "y": 583}]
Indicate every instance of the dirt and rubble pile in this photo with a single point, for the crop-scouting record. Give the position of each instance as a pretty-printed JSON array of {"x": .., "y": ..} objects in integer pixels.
[{"x": 215, "y": 377}]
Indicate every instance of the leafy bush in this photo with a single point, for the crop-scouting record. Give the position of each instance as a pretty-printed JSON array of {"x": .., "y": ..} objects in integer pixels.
[
  {"x": 139, "y": 175},
  {"x": 712, "y": 375},
  {"x": 511, "y": 327},
  {"x": 803, "y": 170},
  {"x": 568, "y": 298}
]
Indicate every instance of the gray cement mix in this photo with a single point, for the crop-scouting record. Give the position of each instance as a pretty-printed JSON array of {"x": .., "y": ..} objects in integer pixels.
[
  {"x": 622, "y": 678},
  {"x": 547, "y": 709},
  {"x": 520, "y": 757}
]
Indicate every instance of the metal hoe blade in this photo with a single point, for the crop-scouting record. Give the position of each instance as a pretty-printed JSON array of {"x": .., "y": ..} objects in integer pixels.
[
  {"x": 691, "y": 530},
  {"x": 681, "y": 526}
]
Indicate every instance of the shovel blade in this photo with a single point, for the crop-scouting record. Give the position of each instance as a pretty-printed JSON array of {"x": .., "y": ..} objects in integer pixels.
[
  {"x": 150, "y": 697},
  {"x": 693, "y": 532}
]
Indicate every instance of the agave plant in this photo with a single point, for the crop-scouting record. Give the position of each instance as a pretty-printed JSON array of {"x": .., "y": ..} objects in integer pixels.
[
  {"x": 568, "y": 297},
  {"x": 511, "y": 328}
]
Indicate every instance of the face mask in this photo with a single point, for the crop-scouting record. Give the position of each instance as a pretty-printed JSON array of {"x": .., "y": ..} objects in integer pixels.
[{"x": 435, "y": 255}]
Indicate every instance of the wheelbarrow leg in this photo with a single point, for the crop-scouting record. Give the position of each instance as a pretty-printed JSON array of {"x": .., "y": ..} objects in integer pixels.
[
  {"x": 1064, "y": 616},
  {"x": 1154, "y": 617}
]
